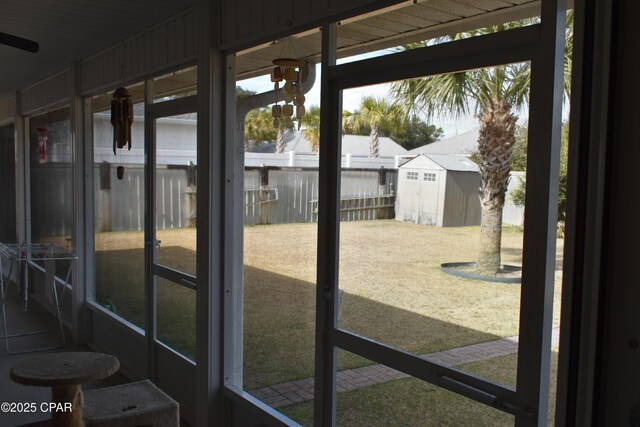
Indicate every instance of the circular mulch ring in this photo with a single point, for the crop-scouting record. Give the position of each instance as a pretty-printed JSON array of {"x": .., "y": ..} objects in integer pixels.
[{"x": 507, "y": 273}]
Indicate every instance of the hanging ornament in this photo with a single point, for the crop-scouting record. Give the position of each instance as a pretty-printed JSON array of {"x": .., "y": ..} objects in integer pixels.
[
  {"x": 121, "y": 118},
  {"x": 290, "y": 74},
  {"x": 276, "y": 75},
  {"x": 43, "y": 137},
  {"x": 287, "y": 110},
  {"x": 289, "y": 70}
]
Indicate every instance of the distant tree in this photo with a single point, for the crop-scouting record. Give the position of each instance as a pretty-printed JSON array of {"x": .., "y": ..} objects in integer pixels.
[
  {"x": 377, "y": 113},
  {"x": 347, "y": 123},
  {"x": 258, "y": 128},
  {"x": 416, "y": 133},
  {"x": 519, "y": 154},
  {"x": 311, "y": 127},
  {"x": 518, "y": 196},
  {"x": 242, "y": 93}
]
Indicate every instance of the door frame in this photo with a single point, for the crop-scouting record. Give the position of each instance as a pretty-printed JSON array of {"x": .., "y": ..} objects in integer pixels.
[
  {"x": 542, "y": 45},
  {"x": 153, "y": 112}
]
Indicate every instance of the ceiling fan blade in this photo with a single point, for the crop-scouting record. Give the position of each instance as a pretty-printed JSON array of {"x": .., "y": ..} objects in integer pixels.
[{"x": 19, "y": 43}]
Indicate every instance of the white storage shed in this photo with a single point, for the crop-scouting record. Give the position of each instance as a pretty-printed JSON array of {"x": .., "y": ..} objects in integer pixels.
[{"x": 438, "y": 189}]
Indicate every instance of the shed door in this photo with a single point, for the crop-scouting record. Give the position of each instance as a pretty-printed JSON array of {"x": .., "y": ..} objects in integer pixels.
[{"x": 428, "y": 197}]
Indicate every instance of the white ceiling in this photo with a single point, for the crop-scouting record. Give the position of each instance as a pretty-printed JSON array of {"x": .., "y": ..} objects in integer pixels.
[
  {"x": 69, "y": 31},
  {"x": 389, "y": 27},
  {"x": 72, "y": 30}
]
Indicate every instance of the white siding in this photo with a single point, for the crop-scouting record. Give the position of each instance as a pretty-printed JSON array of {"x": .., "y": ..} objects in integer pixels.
[
  {"x": 54, "y": 90},
  {"x": 167, "y": 45},
  {"x": 7, "y": 109},
  {"x": 461, "y": 200},
  {"x": 512, "y": 214}
]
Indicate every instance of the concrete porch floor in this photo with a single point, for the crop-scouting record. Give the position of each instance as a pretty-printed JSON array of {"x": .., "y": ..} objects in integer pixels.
[{"x": 36, "y": 318}]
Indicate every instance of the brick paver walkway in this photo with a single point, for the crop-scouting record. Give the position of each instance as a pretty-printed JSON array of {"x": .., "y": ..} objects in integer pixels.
[{"x": 280, "y": 395}]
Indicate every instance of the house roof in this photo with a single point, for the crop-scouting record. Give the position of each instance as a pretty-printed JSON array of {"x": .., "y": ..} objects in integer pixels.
[
  {"x": 465, "y": 144},
  {"x": 351, "y": 144},
  {"x": 448, "y": 162}
]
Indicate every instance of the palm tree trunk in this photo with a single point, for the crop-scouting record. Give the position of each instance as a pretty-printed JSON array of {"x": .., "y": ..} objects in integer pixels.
[
  {"x": 247, "y": 145},
  {"x": 374, "y": 148},
  {"x": 280, "y": 141},
  {"x": 490, "y": 238},
  {"x": 495, "y": 146}
]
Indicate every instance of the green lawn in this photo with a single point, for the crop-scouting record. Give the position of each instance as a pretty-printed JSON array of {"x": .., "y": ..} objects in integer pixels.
[
  {"x": 411, "y": 402},
  {"x": 394, "y": 292}
]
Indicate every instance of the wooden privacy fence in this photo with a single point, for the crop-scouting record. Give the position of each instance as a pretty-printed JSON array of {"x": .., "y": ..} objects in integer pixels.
[
  {"x": 275, "y": 195},
  {"x": 366, "y": 207},
  {"x": 272, "y": 195},
  {"x": 119, "y": 204}
]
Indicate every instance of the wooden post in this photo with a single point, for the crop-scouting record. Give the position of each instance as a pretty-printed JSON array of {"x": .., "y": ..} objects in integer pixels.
[
  {"x": 263, "y": 195},
  {"x": 191, "y": 195},
  {"x": 382, "y": 181},
  {"x": 104, "y": 198}
]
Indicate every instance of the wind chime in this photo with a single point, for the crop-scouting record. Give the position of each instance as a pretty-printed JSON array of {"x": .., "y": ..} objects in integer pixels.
[
  {"x": 43, "y": 137},
  {"x": 121, "y": 119},
  {"x": 289, "y": 70}
]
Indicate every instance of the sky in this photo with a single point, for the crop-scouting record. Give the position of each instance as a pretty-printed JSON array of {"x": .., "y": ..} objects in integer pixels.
[
  {"x": 351, "y": 98},
  {"x": 451, "y": 126}
]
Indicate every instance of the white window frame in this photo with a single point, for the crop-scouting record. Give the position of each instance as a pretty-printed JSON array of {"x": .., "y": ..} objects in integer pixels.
[{"x": 542, "y": 45}]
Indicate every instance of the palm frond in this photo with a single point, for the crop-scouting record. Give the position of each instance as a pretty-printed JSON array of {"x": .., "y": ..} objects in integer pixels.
[
  {"x": 377, "y": 113},
  {"x": 445, "y": 94}
]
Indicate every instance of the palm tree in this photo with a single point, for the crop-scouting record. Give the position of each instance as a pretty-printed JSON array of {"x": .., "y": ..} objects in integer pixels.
[
  {"x": 493, "y": 94},
  {"x": 311, "y": 124},
  {"x": 280, "y": 140},
  {"x": 377, "y": 114},
  {"x": 312, "y": 127},
  {"x": 258, "y": 127},
  {"x": 347, "y": 122}
]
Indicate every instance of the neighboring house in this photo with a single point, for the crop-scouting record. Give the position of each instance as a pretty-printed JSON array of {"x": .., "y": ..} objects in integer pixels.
[
  {"x": 463, "y": 144},
  {"x": 355, "y": 145},
  {"x": 511, "y": 213},
  {"x": 175, "y": 143},
  {"x": 438, "y": 189}
]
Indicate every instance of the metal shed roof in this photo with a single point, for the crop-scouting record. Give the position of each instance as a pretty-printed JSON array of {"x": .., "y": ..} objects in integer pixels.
[
  {"x": 465, "y": 144},
  {"x": 351, "y": 144}
]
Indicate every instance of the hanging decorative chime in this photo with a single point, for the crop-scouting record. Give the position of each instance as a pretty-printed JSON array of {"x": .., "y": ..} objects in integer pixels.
[
  {"x": 121, "y": 119},
  {"x": 289, "y": 70},
  {"x": 43, "y": 137}
]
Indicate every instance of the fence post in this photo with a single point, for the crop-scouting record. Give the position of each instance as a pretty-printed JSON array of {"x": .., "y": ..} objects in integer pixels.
[
  {"x": 382, "y": 181},
  {"x": 104, "y": 198},
  {"x": 191, "y": 195},
  {"x": 263, "y": 195}
]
